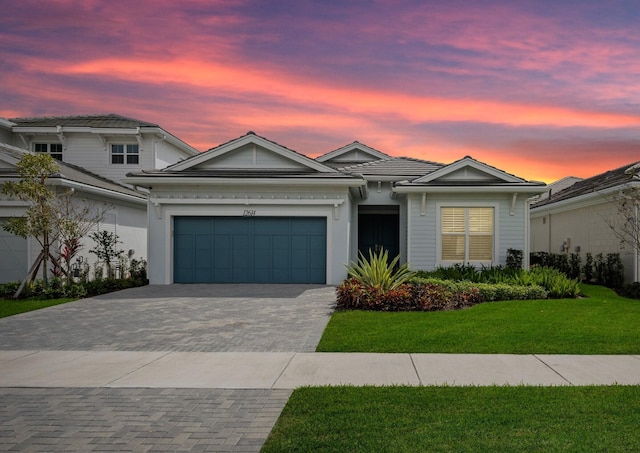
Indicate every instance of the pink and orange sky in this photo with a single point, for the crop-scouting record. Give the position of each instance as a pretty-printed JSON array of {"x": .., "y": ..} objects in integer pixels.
[{"x": 542, "y": 88}]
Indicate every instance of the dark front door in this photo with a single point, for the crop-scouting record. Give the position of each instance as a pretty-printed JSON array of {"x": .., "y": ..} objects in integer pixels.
[{"x": 378, "y": 231}]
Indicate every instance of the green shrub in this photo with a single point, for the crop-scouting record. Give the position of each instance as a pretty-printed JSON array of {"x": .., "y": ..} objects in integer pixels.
[
  {"x": 587, "y": 269},
  {"x": 378, "y": 272},
  {"x": 575, "y": 263},
  {"x": 7, "y": 290},
  {"x": 490, "y": 292},
  {"x": 556, "y": 283},
  {"x": 514, "y": 259},
  {"x": 614, "y": 271},
  {"x": 630, "y": 290},
  {"x": 466, "y": 272}
]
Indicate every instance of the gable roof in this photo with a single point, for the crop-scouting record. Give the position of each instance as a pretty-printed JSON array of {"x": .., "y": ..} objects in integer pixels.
[
  {"x": 297, "y": 161},
  {"x": 352, "y": 153},
  {"x": 601, "y": 182},
  {"x": 77, "y": 176},
  {"x": 109, "y": 120},
  {"x": 469, "y": 174},
  {"x": 481, "y": 173}
]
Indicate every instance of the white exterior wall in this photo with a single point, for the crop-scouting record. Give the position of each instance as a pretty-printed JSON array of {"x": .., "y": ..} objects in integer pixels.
[
  {"x": 423, "y": 234},
  {"x": 582, "y": 227},
  {"x": 272, "y": 203},
  {"x": 89, "y": 152}
]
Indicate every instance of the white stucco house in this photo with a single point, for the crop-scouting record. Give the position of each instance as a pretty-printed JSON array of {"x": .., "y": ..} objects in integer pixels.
[
  {"x": 577, "y": 218},
  {"x": 95, "y": 152},
  {"x": 252, "y": 210}
]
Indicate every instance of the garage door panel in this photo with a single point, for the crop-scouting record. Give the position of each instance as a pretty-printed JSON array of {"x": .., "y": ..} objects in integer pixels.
[{"x": 256, "y": 249}]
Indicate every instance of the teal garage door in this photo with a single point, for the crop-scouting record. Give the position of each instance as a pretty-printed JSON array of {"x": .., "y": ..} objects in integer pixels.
[{"x": 250, "y": 249}]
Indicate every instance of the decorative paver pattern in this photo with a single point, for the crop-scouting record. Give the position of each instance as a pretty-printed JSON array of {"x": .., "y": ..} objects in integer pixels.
[
  {"x": 137, "y": 420},
  {"x": 175, "y": 318},
  {"x": 189, "y": 318}
]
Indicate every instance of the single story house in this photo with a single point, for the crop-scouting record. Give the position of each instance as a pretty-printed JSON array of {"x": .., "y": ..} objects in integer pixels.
[
  {"x": 579, "y": 218},
  {"x": 95, "y": 152},
  {"x": 252, "y": 210}
]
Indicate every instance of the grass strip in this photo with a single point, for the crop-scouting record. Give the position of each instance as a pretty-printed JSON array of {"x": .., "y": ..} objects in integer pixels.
[
  {"x": 459, "y": 419},
  {"x": 601, "y": 323},
  {"x": 9, "y": 307}
]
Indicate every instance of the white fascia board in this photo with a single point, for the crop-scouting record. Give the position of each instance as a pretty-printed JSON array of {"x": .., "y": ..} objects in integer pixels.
[
  {"x": 170, "y": 138},
  {"x": 6, "y": 123},
  {"x": 170, "y": 181},
  {"x": 470, "y": 189},
  {"x": 582, "y": 201},
  {"x": 98, "y": 191}
]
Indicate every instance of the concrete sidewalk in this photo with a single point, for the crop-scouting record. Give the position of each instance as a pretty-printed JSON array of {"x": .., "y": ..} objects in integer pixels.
[{"x": 283, "y": 370}]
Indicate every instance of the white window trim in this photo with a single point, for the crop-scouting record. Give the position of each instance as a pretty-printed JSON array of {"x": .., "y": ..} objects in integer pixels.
[
  {"x": 48, "y": 143},
  {"x": 125, "y": 143},
  {"x": 462, "y": 204}
]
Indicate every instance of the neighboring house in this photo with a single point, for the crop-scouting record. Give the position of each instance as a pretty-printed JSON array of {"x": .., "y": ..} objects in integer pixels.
[
  {"x": 95, "y": 154},
  {"x": 251, "y": 210},
  {"x": 576, "y": 219},
  {"x": 557, "y": 186}
]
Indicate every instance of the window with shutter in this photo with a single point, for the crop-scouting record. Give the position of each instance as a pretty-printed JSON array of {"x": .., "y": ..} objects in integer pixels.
[{"x": 467, "y": 234}]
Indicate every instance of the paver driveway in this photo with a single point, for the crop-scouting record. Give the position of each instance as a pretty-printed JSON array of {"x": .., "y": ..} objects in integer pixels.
[{"x": 204, "y": 318}]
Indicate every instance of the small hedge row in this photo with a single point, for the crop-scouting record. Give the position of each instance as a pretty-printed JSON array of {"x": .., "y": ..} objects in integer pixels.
[
  {"x": 422, "y": 294},
  {"x": 57, "y": 289},
  {"x": 490, "y": 292},
  {"x": 353, "y": 295}
]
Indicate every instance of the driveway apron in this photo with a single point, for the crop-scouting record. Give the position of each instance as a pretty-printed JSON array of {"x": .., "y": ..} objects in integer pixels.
[{"x": 185, "y": 318}]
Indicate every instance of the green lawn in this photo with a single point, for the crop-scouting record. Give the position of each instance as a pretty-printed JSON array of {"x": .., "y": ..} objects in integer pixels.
[
  {"x": 459, "y": 419},
  {"x": 10, "y": 307},
  {"x": 602, "y": 323}
]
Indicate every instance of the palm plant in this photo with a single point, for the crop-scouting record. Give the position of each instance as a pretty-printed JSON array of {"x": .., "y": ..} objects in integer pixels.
[{"x": 378, "y": 272}]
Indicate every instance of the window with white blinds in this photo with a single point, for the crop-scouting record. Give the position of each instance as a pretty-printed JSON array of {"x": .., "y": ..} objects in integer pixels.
[{"x": 467, "y": 234}]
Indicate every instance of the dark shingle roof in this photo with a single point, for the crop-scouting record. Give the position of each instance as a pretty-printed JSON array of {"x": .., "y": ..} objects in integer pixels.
[
  {"x": 110, "y": 120},
  {"x": 597, "y": 183},
  {"x": 394, "y": 166}
]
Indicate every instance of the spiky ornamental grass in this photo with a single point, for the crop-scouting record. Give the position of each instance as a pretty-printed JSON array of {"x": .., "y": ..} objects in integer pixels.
[{"x": 377, "y": 272}]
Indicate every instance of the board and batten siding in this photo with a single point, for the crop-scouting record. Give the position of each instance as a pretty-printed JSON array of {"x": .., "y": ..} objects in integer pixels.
[{"x": 510, "y": 230}]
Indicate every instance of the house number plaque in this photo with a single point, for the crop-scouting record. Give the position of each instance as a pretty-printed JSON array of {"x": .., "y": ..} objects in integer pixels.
[{"x": 249, "y": 213}]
